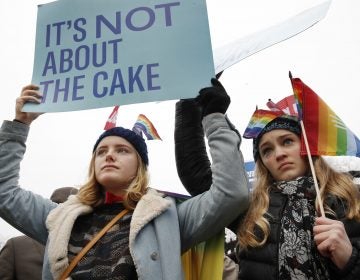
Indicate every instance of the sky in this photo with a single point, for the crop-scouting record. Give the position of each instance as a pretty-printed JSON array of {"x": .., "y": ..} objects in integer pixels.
[{"x": 326, "y": 57}]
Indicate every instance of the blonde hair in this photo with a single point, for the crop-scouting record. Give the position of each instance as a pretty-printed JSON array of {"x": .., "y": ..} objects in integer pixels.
[
  {"x": 331, "y": 183},
  {"x": 93, "y": 194}
]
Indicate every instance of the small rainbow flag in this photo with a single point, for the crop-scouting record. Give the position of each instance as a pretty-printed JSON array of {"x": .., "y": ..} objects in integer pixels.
[
  {"x": 143, "y": 124},
  {"x": 258, "y": 121},
  {"x": 326, "y": 132}
]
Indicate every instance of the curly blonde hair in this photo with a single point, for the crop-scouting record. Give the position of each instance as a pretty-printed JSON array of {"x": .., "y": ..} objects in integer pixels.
[
  {"x": 331, "y": 183},
  {"x": 93, "y": 194}
]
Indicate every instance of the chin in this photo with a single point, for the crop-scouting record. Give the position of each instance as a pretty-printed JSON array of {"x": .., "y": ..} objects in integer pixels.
[{"x": 291, "y": 176}]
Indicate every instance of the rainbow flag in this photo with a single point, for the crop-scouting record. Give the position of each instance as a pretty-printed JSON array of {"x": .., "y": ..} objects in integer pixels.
[
  {"x": 205, "y": 260},
  {"x": 326, "y": 132},
  {"x": 258, "y": 121},
  {"x": 143, "y": 124}
]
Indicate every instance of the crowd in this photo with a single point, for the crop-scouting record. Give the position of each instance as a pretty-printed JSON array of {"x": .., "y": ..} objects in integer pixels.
[{"x": 117, "y": 227}]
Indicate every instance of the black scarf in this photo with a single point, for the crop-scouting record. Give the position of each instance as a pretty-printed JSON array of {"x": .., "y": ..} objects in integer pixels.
[{"x": 298, "y": 256}]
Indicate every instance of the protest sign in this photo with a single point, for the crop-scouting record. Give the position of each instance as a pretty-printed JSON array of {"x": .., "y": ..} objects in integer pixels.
[{"x": 95, "y": 53}]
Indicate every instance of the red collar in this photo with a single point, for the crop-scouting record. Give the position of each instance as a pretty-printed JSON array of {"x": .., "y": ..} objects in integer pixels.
[{"x": 112, "y": 198}]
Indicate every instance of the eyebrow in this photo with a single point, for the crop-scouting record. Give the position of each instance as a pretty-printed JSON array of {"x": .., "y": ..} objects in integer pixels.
[
  {"x": 116, "y": 146},
  {"x": 281, "y": 137}
]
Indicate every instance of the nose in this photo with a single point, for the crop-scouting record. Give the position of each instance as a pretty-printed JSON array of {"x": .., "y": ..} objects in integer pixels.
[
  {"x": 109, "y": 156},
  {"x": 279, "y": 153}
]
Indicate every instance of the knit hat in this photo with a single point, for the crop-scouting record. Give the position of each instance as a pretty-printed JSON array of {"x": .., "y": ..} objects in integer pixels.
[
  {"x": 135, "y": 139},
  {"x": 286, "y": 122}
]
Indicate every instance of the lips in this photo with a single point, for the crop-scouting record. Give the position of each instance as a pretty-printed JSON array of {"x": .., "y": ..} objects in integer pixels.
[
  {"x": 109, "y": 166},
  {"x": 284, "y": 165}
]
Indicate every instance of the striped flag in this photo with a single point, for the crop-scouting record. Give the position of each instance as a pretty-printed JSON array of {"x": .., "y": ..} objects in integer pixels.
[
  {"x": 326, "y": 133},
  {"x": 144, "y": 125},
  {"x": 258, "y": 121}
]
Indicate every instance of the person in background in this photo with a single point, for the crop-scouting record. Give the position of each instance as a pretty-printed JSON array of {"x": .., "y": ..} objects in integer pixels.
[
  {"x": 281, "y": 236},
  {"x": 147, "y": 242},
  {"x": 21, "y": 258}
]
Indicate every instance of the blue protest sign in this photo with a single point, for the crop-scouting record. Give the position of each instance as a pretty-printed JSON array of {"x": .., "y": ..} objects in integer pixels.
[{"x": 95, "y": 53}]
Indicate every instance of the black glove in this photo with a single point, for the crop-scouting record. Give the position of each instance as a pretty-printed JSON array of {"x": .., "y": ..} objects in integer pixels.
[
  {"x": 192, "y": 162},
  {"x": 213, "y": 99}
]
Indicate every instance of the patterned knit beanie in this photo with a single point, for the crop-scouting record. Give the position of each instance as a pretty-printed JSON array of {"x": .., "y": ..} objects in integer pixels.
[{"x": 283, "y": 122}]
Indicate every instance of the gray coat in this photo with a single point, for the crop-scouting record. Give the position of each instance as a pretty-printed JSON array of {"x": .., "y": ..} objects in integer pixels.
[{"x": 160, "y": 229}]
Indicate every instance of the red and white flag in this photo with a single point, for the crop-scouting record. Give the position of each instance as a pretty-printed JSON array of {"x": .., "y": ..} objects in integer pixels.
[
  {"x": 111, "y": 121},
  {"x": 286, "y": 105}
]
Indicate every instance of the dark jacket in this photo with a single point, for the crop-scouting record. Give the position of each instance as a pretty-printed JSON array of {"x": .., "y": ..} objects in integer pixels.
[
  {"x": 21, "y": 258},
  {"x": 262, "y": 263}
]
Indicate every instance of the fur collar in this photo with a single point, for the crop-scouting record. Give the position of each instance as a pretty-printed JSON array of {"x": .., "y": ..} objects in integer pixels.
[{"x": 151, "y": 205}]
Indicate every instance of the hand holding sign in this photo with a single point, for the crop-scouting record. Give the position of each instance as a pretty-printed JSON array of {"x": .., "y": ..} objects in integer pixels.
[{"x": 29, "y": 93}]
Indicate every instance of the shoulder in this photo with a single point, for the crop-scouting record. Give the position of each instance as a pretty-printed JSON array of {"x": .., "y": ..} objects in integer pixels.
[
  {"x": 20, "y": 239},
  {"x": 168, "y": 194}
]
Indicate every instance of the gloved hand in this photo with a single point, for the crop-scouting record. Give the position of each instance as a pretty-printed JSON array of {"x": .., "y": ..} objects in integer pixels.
[{"x": 213, "y": 99}]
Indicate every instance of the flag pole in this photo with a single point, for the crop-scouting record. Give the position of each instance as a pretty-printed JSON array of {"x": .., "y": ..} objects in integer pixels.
[
  {"x": 312, "y": 169},
  {"x": 308, "y": 153}
]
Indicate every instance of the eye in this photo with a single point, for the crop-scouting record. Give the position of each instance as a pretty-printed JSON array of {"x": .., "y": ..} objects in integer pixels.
[
  {"x": 100, "y": 152},
  {"x": 288, "y": 141},
  {"x": 122, "y": 150},
  {"x": 266, "y": 152}
]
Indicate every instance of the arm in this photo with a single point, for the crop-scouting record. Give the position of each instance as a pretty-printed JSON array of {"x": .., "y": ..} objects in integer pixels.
[
  {"x": 208, "y": 213},
  {"x": 192, "y": 162},
  {"x": 7, "y": 261},
  {"x": 22, "y": 209}
]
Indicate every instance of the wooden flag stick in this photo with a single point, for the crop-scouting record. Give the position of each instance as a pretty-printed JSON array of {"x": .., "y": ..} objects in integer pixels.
[{"x": 312, "y": 169}]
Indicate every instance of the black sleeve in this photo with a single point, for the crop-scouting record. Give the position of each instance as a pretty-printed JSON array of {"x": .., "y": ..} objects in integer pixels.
[
  {"x": 192, "y": 162},
  {"x": 352, "y": 268}
]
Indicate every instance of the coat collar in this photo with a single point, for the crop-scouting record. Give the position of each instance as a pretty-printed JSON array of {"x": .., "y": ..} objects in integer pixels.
[{"x": 150, "y": 206}]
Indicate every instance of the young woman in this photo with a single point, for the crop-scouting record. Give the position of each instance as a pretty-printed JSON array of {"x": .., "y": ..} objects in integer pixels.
[
  {"x": 281, "y": 235},
  {"x": 148, "y": 241}
]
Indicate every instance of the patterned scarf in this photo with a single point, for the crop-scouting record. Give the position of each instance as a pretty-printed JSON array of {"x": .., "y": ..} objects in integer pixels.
[
  {"x": 110, "y": 257},
  {"x": 298, "y": 256}
]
